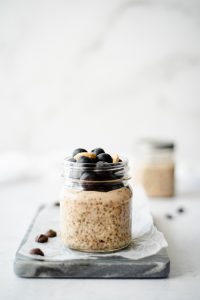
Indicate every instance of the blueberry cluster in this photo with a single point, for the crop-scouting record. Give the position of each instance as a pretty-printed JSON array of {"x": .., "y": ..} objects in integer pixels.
[
  {"x": 96, "y": 155},
  {"x": 95, "y": 168}
]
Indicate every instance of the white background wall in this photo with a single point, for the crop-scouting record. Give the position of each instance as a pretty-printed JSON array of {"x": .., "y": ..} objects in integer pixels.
[{"x": 99, "y": 73}]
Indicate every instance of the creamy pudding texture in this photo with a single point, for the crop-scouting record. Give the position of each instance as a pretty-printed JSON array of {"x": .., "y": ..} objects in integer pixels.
[
  {"x": 158, "y": 179},
  {"x": 96, "y": 203},
  {"x": 96, "y": 221}
]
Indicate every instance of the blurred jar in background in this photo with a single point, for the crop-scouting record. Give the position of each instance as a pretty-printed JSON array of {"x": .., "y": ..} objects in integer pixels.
[{"x": 155, "y": 167}]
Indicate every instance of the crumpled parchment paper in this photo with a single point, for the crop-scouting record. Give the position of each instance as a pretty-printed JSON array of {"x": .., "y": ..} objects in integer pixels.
[{"x": 147, "y": 240}]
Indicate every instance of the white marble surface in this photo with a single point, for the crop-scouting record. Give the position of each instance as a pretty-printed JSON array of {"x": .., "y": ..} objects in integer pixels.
[
  {"x": 86, "y": 72},
  {"x": 20, "y": 201}
]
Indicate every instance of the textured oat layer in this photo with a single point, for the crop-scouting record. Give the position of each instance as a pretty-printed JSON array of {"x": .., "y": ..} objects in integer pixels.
[
  {"x": 96, "y": 221},
  {"x": 158, "y": 179}
]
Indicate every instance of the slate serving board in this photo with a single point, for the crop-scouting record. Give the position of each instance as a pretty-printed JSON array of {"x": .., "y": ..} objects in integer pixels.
[{"x": 156, "y": 266}]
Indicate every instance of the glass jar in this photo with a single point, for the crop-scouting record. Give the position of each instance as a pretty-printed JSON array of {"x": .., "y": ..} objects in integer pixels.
[
  {"x": 156, "y": 167},
  {"x": 96, "y": 214}
]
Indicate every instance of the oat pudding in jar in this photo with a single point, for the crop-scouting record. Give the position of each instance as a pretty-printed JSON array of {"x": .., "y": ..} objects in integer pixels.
[
  {"x": 156, "y": 167},
  {"x": 95, "y": 208}
]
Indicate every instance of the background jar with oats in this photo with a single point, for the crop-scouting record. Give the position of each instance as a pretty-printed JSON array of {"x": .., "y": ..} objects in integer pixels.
[
  {"x": 95, "y": 209},
  {"x": 155, "y": 167}
]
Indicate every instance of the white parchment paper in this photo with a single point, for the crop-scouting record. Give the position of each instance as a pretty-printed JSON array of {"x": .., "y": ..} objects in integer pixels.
[{"x": 147, "y": 240}]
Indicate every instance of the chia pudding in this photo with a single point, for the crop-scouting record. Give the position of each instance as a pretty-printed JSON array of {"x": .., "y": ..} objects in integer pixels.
[
  {"x": 156, "y": 167},
  {"x": 158, "y": 179},
  {"x": 96, "y": 203}
]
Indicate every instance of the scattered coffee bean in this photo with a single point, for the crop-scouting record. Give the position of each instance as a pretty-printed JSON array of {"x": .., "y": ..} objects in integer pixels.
[
  {"x": 180, "y": 210},
  {"x": 168, "y": 216},
  {"x": 36, "y": 251},
  {"x": 57, "y": 204},
  {"x": 51, "y": 233},
  {"x": 42, "y": 238},
  {"x": 78, "y": 150}
]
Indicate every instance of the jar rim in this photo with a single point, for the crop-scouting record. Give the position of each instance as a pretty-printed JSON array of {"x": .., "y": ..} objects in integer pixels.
[
  {"x": 156, "y": 144},
  {"x": 120, "y": 168},
  {"x": 154, "y": 147},
  {"x": 88, "y": 166}
]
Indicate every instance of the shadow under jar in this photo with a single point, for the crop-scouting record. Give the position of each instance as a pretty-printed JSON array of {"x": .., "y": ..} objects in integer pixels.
[{"x": 96, "y": 214}]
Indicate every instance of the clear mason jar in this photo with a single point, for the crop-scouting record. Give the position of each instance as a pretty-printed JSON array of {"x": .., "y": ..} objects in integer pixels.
[
  {"x": 96, "y": 215},
  {"x": 156, "y": 167}
]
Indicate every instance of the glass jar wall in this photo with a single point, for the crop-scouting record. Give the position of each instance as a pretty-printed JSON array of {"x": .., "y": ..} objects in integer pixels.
[
  {"x": 96, "y": 213},
  {"x": 156, "y": 167}
]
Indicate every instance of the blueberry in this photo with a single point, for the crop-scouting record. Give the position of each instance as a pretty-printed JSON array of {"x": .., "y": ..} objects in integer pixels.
[
  {"x": 103, "y": 170},
  {"x": 95, "y": 160},
  {"x": 89, "y": 184},
  {"x": 89, "y": 176},
  {"x": 85, "y": 160},
  {"x": 106, "y": 187},
  {"x": 78, "y": 150},
  {"x": 71, "y": 159},
  {"x": 108, "y": 176},
  {"x": 102, "y": 165},
  {"x": 105, "y": 157},
  {"x": 98, "y": 151}
]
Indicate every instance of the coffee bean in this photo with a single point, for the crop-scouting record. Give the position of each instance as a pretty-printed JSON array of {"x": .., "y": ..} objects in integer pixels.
[
  {"x": 168, "y": 216},
  {"x": 42, "y": 238},
  {"x": 51, "y": 233},
  {"x": 36, "y": 251},
  {"x": 180, "y": 210},
  {"x": 57, "y": 204}
]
